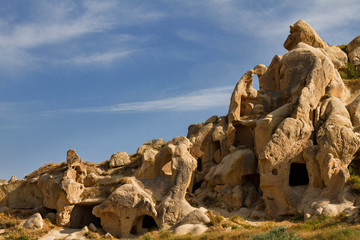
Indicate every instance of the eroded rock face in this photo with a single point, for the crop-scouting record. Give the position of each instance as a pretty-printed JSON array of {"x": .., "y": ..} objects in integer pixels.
[
  {"x": 119, "y": 159},
  {"x": 353, "y": 50},
  {"x": 303, "y": 32},
  {"x": 282, "y": 150}
]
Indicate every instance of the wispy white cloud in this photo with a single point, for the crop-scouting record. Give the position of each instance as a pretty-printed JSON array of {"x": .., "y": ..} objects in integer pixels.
[
  {"x": 104, "y": 57},
  {"x": 269, "y": 21},
  {"x": 189, "y": 35},
  {"x": 198, "y": 100},
  {"x": 65, "y": 22}
]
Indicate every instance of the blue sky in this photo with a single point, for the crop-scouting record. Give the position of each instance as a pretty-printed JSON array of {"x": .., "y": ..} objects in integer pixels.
[{"x": 106, "y": 76}]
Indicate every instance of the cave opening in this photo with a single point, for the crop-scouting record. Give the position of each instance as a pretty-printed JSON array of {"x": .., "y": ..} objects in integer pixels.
[
  {"x": 298, "y": 174},
  {"x": 149, "y": 222},
  {"x": 143, "y": 224},
  {"x": 196, "y": 186},
  {"x": 199, "y": 167},
  {"x": 82, "y": 216},
  {"x": 243, "y": 136}
]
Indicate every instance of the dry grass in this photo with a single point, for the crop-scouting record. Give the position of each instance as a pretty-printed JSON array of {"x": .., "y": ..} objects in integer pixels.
[
  {"x": 12, "y": 223},
  {"x": 220, "y": 228},
  {"x": 50, "y": 168}
]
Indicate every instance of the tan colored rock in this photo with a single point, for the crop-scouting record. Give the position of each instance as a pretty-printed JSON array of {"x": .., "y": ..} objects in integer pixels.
[
  {"x": 92, "y": 227},
  {"x": 35, "y": 221},
  {"x": 13, "y": 179},
  {"x": 174, "y": 207},
  {"x": 119, "y": 159},
  {"x": 353, "y": 50},
  {"x": 125, "y": 208},
  {"x": 195, "y": 217},
  {"x": 233, "y": 168},
  {"x": 354, "y": 110},
  {"x": 72, "y": 158},
  {"x": 196, "y": 229},
  {"x": 302, "y": 32},
  {"x": 147, "y": 169},
  {"x": 337, "y": 56},
  {"x": 243, "y": 89}
]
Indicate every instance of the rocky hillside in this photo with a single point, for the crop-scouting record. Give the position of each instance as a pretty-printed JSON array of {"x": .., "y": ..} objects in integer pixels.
[{"x": 287, "y": 149}]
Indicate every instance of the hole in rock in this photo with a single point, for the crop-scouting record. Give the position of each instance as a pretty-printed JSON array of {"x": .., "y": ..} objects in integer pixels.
[
  {"x": 298, "y": 174},
  {"x": 199, "y": 165},
  {"x": 243, "y": 136},
  {"x": 82, "y": 216},
  {"x": 143, "y": 224},
  {"x": 148, "y": 222},
  {"x": 196, "y": 186}
]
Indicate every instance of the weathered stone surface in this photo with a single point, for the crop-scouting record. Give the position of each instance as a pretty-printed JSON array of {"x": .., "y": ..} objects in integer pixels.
[
  {"x": 282, "y": 150},
  {"x": 353, "y": 50},
  {"x": 337, "y": 56},
  {"x": 302, "y": 32},
  {"x": 233, "y": 168},
  {"x": 34, "y": 222},
  {"x": 196, "y": 229},
  {"x": 119, "y": 159},
  {"x": 243, "y": 90},
  {"x": 124, "y": 207}
]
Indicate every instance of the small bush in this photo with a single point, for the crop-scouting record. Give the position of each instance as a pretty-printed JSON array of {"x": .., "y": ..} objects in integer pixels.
[
  {"x": 351, "y": 72},
  {"x": 277, "y": 233},
  {"x": 343, "y": 47},
  {"x": 237, "y": 219},
  {"x": 214, "y": 219},
  {"x": 354, "y": 182}
]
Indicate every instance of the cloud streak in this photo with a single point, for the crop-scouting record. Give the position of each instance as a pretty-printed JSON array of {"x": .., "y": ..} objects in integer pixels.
[
  {"x": 198, "y": 100},
  {"x": 22, "y": 42}
]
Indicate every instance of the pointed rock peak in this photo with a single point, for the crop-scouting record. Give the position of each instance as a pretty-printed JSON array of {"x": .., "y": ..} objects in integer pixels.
[{"x": 303, "y": 32}]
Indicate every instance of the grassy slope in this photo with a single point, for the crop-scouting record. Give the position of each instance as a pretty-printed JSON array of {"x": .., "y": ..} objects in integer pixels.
[{"x": 221, "y": 228}]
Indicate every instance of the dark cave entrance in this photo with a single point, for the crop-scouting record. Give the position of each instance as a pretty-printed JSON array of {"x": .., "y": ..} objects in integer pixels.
[
  {"x": 143, "y": 224},
  {"x": 243, "y": 136},
  {"x": 149, "y": 223},
  {"x": 196, "y": 186},
  {"x": 199, "y": 167},
  {"x": 82, "y": 216},
  {"x": 298, "y": 174}
]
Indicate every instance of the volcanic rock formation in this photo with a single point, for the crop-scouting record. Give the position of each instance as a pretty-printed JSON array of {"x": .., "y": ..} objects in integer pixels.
[{"x": 282, "y": 150}]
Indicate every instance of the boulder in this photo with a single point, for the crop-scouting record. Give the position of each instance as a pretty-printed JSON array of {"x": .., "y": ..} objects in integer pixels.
[
  {"x": 119, "y": 159},
  {"x": 196, "y": 229},
  {"x": 303, "y": 32},
  {"x": 353, "y": 50},
  {"x": 34, "y": 222}
]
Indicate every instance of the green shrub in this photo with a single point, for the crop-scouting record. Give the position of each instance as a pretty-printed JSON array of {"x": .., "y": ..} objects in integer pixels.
[
  {"x": 351, "y": 72},
  {"x": 343, "y": 47},
  {"x": 23, "y": 237},
  {"x": 354, "y": 182},
  {"x": 277, "y": 233}
]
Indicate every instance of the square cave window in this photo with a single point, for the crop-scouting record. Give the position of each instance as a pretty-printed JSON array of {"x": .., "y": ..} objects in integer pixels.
[{"x": 298, "y": 174}]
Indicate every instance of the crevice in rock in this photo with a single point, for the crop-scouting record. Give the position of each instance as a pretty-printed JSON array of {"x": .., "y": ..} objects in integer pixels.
[
  {"x": 298, "y": 174},
  {"x": 196, "y": 186}
]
